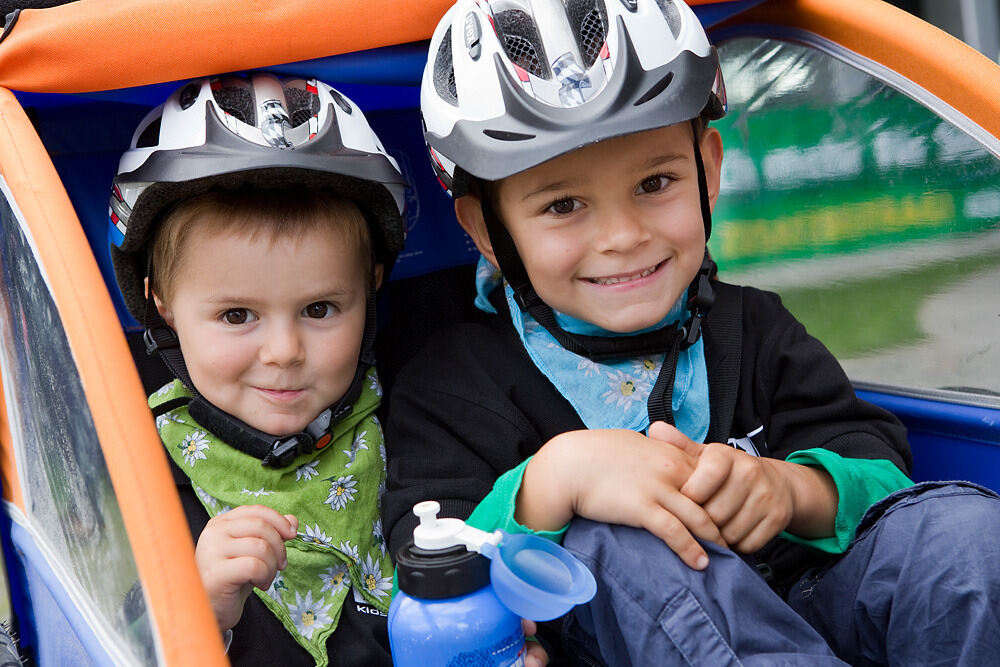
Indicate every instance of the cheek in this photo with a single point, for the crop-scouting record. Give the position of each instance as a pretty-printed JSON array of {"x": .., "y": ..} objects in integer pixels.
[
  {"x": 211, "y": 358},
  {"x": 550, "y": 258}
]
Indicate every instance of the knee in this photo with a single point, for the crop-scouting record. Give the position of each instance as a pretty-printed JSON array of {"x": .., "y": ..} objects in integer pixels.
[
  {"x": 956, "y": 522},
  {"x": 628, "y": 551}
]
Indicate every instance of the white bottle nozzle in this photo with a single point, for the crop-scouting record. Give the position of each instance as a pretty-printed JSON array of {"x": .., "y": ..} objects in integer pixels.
[{"x": 435, "y": 533}]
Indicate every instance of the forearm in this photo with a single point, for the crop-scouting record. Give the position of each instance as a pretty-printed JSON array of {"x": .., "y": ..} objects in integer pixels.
[
  {"x": 814, "y": 498},
  {"x": 544, "y": 501}
]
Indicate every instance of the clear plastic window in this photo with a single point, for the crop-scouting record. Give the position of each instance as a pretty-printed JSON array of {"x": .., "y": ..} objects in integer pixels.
[
  {"x": 876, "y": 220},
  {"x": 65, "y": 480}
]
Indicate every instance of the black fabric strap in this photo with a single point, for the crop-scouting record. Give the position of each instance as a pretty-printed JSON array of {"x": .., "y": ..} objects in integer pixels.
[
  {"x": 272, "y": 450},
  {"x": 659, "y": 404},
  {"x": 724, "y": 335}
]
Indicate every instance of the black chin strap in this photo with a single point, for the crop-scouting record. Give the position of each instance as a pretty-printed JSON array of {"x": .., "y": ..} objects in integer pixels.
[
  {"x": 674, "y": 338},
  {"x": 273, "y": 451}
]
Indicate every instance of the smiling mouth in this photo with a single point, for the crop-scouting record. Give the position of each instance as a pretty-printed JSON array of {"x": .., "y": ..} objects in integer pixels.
[
  {"x": 624, "y": 277},
  {"x": 280, "y": 394}
]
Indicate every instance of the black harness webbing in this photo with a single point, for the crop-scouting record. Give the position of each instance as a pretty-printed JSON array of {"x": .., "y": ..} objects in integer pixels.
[{"x": 724, "y": 338}]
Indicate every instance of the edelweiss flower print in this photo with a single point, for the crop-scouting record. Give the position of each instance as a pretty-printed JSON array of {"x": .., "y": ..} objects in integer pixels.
[
  {"x": 316, "y": 535},
  {"x": 194, "y": 447},
  {"x": 307, "y": 615},
  {"x": 374, "y": 582},
  {"x": 626, "y": 390},
  {"x": 341, "y": 492},
  {"x": 334, "y": 579},
  {"x": 305, "y": 472}
]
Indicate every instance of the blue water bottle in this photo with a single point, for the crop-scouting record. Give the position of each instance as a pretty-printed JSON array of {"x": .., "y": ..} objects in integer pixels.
[
  {"x": 463, "y": 592},
  {"x": 446, "y": 612}
]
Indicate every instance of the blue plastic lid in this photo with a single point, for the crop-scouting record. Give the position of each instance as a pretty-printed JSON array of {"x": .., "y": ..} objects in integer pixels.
[{"x": 537, "y": 579}]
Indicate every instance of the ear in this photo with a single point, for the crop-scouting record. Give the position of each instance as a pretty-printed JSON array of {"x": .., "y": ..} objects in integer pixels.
[
  {"x": 469, "y": 211},
  {"x": 161, "y": 307},
  {"x": 711, "y": 154},
  {"x": 379, "y": 270}
]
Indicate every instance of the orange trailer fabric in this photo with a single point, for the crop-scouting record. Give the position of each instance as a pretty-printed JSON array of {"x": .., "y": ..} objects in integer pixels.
[
  {"x": 157, "y": 529},
  {"x": 941, "y": 64},
  {"x": 93, "y": 45}
]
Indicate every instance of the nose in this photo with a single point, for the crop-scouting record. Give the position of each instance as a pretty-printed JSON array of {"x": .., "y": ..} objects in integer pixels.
[
  {"x": 282, "y": 345},
  {"x": 623, "y": 229}
]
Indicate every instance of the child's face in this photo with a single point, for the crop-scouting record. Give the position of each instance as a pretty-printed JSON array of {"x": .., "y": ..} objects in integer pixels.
[
  {"x": 611, "y": 233},
  {"x": 270, "y": 329}
]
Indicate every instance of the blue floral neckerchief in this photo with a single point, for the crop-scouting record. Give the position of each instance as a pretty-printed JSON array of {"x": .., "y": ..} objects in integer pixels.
[{"x": 607, "y": 395}]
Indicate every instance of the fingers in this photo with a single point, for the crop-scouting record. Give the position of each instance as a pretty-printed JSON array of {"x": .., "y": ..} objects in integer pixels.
[
  {"x": 678, "y": 521},
  {"x": 535, "y": 655},
  {"x": 256, "y": 526},
  {"x": 713, "y": 469},
  {"x": 739, "y": 495},
  {"x": 664, "y": 432}
]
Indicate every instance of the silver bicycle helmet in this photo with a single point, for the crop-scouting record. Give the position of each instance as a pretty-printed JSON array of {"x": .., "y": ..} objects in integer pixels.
[{"x": 510, "y": 84}]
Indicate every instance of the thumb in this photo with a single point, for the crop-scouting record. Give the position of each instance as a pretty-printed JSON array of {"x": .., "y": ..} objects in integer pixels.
[{"x": 664, "y": 432}]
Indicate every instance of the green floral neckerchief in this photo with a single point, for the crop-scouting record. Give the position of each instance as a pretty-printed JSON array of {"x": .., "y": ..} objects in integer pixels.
[{"x": 335, "y": 494}]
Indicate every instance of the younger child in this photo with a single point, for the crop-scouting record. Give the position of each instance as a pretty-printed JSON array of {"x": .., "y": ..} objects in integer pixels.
[
  {"x": 573, "y": 136},
  {"x": 257, "y": 217}
]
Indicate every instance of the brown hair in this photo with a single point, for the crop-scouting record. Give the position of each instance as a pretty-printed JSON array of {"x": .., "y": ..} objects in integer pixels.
[{"x": 255, "y": 212}]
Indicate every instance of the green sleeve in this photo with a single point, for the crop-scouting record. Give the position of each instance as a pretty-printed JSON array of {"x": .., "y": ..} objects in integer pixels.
[
  {"x": 860, "y": 483},
  {"x": 496, "y": 510}
]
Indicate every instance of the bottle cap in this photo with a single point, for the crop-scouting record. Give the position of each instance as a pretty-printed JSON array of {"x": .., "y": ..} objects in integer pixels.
[
  {"x": 537, "y": 579},
  {"x": 533, "y": 577}
]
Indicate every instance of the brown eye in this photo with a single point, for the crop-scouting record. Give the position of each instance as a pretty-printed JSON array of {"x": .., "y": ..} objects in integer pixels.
[
  {"x": 317, "y": 310},
  {"x": 652, "y": 184},
  {"x": 563, "y": 206},
  {"x": 235, "y": 316}
]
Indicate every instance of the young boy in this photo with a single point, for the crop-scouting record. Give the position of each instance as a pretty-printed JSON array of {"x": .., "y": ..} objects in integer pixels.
[
  {"x": 574, "y": 138},
  {"x": 256, "y": 217}
]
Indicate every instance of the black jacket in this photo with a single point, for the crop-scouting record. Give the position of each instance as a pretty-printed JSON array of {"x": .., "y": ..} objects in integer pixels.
[{"x": 472, "y": 406}]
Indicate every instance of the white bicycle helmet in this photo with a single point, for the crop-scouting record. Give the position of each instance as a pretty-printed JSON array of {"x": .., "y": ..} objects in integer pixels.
[
  {"x": 510, "y": 84},
  {"x": 259, "y": 130},
  {"x": 262, "y": 131}
]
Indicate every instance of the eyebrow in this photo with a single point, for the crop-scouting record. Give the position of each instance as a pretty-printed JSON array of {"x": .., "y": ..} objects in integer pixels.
[
  {"x": 223, "y": 299},
  {"x": 569, "y": 184}
]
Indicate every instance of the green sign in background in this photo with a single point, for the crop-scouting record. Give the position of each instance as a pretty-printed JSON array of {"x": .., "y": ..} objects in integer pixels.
[{"x": 862, "y": 208}]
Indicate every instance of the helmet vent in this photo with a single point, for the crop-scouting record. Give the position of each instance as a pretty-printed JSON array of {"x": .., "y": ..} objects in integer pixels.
[
  {"x": 444, "y": 72},
  {"x": 589, "y": 22},
  {"x": 237, "y": 101},
  {"x": 672, "y": 15},
  {"x": 656, "y": 89},
  {"x": 302, "y": 105},
  {"x": 524, "y": 47},
  {"x": 150, "y": 136},
  {"x": 503, "y": 135}
]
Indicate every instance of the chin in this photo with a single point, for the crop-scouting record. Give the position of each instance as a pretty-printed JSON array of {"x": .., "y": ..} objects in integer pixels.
[{"x": 280, "y": 425}]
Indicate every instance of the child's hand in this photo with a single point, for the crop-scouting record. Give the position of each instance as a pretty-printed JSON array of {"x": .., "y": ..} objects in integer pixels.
[
  {"x": 238, "y": 550},
  {"x": 535, "y": 654},
  {"x": 751, "y": 499},
  {"x": 617, "y": 476}
]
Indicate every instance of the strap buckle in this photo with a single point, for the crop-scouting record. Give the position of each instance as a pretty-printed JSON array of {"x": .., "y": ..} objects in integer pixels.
[
  {"x": 157, "y": 338},
  {"x": 284, "y": 451}
]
